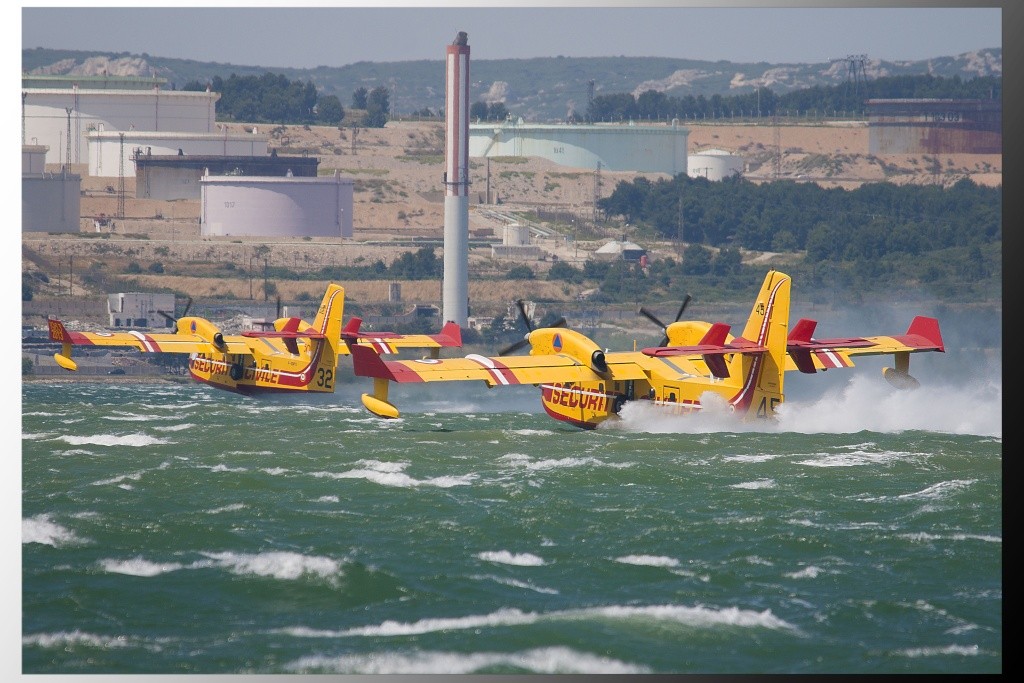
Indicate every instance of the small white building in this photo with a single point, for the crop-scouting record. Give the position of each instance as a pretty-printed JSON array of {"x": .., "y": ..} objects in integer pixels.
[
  {"x": 714, "y": 164},
  {"x": 621, "y": 249},
  {"x": 140, "y": 309},
  {"x": 262, "y": 206},
  {"x": 33, "y": 159}
]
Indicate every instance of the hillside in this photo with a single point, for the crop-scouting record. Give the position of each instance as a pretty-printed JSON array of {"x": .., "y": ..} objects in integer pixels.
[{"x": 543, "y": 89}]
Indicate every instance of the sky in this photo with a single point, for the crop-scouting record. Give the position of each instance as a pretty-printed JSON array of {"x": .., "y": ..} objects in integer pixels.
[{"x": 255, "y": 34}]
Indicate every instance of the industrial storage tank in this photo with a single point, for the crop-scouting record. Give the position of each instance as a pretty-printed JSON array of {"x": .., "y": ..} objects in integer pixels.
[
  {"x": 611, "y": 147},
  {"x": 59, "y": 109},
  {"x": 935, "y": 126},
  {"x": 516, "y": 235},
  {"x": 714, "y": 164},
  {"x": 262, "y": 206}
]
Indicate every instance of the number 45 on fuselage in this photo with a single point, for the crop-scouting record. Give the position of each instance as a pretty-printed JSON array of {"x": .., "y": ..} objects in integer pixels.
[{"x": 294, "y": 356}]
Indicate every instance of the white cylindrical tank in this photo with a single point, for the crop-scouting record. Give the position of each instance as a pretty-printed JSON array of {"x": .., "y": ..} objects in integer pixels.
[
  {"x": 49, "y": 113},
  {"x": 276, "y": 207},
  {"x": 516, "y": 235},
  {"x": 648, "y": 149},
  {"x": 714, "y": 164}
]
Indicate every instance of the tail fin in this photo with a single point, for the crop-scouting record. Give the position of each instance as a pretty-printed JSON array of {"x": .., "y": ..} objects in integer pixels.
[
  {"x": 328, "y": 322},
  {"x": 59, "y": 333},
  {"x": 767, "y": 326}
]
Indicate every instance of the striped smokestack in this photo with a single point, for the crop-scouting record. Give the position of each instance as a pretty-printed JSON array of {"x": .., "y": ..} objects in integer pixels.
[{"x": 455, "y": 289}]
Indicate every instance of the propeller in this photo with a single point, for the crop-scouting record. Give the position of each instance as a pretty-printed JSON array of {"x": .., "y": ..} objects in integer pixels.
[
  {"x": 171, "y": 318},
  {"x": 512, "y": 348},
  {"x": 654, "y": 319}
]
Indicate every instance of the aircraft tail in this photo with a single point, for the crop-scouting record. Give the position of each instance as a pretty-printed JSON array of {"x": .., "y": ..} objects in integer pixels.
[
  {"x": 762, "y": 374},
  {"x": 59, "y": 333},
  {"x": 328, "y": 322}
]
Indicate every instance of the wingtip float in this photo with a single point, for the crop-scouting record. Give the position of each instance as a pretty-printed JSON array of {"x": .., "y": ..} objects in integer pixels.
[
  {"x": 295, "y": 356},
  {"x": 583, "y": 385}
]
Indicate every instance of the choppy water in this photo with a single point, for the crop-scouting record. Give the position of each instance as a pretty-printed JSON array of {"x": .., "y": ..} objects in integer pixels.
[{"x": 176, "y": 529}]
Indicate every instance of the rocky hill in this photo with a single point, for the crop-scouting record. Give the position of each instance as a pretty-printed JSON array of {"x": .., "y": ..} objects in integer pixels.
[{"x": 543, "y": 89}]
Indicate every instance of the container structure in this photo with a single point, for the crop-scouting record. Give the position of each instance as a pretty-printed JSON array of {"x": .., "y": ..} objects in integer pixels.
[
  {"x": 610, "y": 147},
  {"x": 276, "y": 207}
]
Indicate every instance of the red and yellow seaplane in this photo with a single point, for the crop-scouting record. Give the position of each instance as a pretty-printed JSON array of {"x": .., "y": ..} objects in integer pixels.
[
  {"x": 585, "y": 385},
  {"x": 294, "y": 356}
]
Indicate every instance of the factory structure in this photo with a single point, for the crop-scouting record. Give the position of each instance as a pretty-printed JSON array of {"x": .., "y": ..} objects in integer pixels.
[
  {"x": 714, "y": 164},
  {"x": 169, "y": 141},
  {"x": 264, "y": 206},
  {"x": 50, "y": 202},
  {"x": 455, "y": 286}
]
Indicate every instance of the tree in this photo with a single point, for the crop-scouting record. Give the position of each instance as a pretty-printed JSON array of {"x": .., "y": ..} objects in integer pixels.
[
  {"x": 478, "y": 111},
  {"x": 359, "y": 98},
  {"x": 497, "y": 111},
  {"x": 329, "y": 110},
  {"x": 378, "y": 107}
]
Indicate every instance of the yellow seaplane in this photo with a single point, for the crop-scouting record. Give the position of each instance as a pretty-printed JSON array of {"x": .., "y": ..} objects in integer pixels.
[
  {"x": 294, "y": 356},
  {"x": 584, "y": 385}
]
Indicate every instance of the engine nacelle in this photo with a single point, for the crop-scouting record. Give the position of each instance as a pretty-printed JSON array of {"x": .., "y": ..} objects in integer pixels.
[
  {"x": 553, "y": 340},
  {"x": 202, "y": 327}
]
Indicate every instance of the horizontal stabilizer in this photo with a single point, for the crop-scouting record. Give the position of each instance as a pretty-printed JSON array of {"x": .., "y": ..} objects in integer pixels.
[
  {"x": 351, "y": 330},
  {"x": 450, "y": 335},
  {"x": 923, "y": 334}
]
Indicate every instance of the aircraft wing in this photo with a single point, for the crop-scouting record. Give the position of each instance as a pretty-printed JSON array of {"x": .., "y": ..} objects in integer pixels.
[
  {"x": 505, "y": 370},
  {"x": 810, "y": 355},
  {"x": 159, "y": 342}
]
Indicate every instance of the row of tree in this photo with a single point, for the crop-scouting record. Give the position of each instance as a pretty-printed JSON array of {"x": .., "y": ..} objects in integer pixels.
[
  {"x": 272, "y": 98},
  {"x": 763, "y": 102}
]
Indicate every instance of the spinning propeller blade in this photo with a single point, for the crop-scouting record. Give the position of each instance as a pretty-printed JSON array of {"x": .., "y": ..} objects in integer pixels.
[
  {"x": 654, "y": 319},
  {"x": 171, "y": 318},
  {"x": 512, "y": 348}
]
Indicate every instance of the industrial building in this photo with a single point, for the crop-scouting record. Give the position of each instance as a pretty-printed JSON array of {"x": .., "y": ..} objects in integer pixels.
[
  {"x": 276, "y": 207},
  {"x": 50, "y": 202},
  {"x": 935, "y": 126},
  {"x": 112, "y": 153},
  {"x": 176, "y": 176},
  {"x": 141, "y": 309},
  {"x": 644, "y": 149}
]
